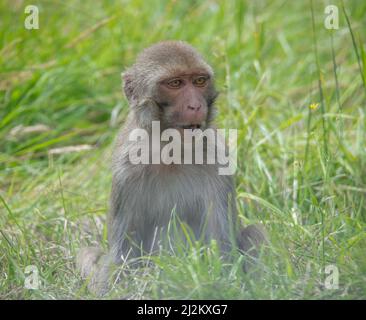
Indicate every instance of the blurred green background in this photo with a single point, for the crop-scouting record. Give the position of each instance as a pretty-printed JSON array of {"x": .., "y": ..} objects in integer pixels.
[{"x": 295, "y": 91}]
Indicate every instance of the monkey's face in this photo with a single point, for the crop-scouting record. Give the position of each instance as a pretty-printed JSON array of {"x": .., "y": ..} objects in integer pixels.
[{"x": 185, "y": 98}]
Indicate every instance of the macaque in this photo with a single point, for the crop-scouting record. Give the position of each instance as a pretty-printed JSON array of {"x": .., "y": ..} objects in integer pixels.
[{"x": 171, "y": 83}]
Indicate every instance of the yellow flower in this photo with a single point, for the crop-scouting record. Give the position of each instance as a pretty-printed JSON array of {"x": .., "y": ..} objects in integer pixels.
[{"x": 314, "y": 106}]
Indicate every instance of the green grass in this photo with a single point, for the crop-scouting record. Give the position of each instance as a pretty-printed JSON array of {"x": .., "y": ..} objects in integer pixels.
[{"x": 301, "y": 172}]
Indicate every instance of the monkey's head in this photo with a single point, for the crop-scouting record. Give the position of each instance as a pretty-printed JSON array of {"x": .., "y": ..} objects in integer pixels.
[{"x": 172, "y": 77}]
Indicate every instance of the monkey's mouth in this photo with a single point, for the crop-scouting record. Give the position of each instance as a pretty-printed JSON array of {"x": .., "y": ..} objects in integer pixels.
[{"x": 190, "y": 126}]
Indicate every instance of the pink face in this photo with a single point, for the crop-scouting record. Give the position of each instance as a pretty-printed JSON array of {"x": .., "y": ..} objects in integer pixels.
[{"x": 183, "y": 99}]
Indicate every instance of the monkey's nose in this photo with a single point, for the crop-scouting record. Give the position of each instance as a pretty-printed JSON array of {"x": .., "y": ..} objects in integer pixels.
[{"x": 194, "y": 107}]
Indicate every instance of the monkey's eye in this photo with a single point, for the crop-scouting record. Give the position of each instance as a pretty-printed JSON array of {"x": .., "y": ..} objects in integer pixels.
[
  {"x": 200, "y": 81},
  {"x": 175, "y": 83}
]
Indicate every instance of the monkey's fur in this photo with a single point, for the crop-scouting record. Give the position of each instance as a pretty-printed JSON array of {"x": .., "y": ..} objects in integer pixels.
[{"x": 144, "y": 196}]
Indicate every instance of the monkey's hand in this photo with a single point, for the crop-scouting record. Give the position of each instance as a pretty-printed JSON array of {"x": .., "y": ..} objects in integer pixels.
[
  {"x": 251, "y": 238},
  {"x": 87, "y": 259},
  {"x": 93, "y": 265}
]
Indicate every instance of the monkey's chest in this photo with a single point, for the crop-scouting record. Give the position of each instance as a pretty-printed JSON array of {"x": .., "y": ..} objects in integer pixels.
[
  {"x": 195, "y": 195},
  {"x": 186, "y": 193}
]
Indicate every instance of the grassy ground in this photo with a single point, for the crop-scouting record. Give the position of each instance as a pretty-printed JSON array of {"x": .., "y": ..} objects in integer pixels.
[{"x": 302, "y": 169}]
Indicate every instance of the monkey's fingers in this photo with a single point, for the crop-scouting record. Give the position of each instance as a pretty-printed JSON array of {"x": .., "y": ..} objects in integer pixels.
[{"x": 87, "y": 259}]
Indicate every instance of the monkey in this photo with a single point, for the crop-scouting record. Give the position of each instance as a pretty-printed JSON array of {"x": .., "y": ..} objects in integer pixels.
[{"x": 171, "y": 83}]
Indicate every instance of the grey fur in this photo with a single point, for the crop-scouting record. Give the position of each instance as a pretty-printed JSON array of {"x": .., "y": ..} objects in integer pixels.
[{"x": 144, "y": 196}]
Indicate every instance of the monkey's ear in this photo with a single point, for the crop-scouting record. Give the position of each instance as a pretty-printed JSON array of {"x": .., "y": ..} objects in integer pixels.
[{"x": 127, "y": 86}]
